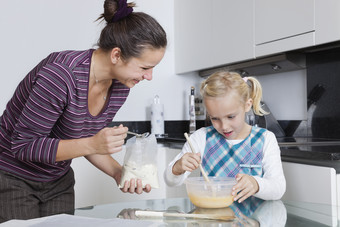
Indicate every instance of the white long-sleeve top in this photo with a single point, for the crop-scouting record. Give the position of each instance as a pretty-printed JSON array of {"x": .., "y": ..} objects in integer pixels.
[{"x": 272, "y": 185}]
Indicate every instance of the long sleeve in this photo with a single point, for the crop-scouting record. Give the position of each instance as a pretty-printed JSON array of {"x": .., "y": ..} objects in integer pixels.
[
  {"x": 272, "y": 185},
  {"x": 198, "y": 142},
  {"x": 51, "y": 104},
  {"x": 44, "y": 104}
]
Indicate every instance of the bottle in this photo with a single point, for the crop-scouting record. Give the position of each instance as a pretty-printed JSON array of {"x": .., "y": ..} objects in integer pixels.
[
  {"x": 192, "y": 124},
  {"x": 157, "y": 117}
]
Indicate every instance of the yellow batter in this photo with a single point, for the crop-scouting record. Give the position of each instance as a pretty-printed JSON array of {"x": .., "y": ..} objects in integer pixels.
[{"x": 211, "y": 201}]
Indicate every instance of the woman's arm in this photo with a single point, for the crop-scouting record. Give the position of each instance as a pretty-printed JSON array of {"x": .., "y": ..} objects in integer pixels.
[
  {"x": 111, "y": 167},
  {"x": 106, "y": 141}
]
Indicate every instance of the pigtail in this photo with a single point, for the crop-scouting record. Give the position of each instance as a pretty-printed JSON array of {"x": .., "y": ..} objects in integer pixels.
[{"x": 256, "y": 96}]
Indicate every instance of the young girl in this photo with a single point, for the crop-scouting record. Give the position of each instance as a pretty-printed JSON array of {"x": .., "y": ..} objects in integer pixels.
[{"x": 231, "y": 147}]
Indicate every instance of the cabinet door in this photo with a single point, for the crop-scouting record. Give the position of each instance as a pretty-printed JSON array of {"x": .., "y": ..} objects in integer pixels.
[
  {"x": 327, "y": 21},
  {"x": 212, "y": 33},
  {"x": 193, "y": 32},
  {"x": 311, "y": 192},
  {"x": 233, "y": 31},
  {"x": 93, "y": 187},
  {"x": 283, "y": 25}
]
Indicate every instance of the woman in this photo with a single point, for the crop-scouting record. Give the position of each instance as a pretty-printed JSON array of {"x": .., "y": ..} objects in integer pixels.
[{"x": 60, "y": 111}]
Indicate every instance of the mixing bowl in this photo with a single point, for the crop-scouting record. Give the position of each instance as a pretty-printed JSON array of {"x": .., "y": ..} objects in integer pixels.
[{"x": 213, "y": 194}]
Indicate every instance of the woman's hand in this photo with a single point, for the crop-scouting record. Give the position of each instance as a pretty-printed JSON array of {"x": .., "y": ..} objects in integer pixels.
[
  {"x": 246, "y": 186},
  {"x": 135, "y": 187},
  {"x": 109, "y": 140},
  {"x": 131, "y": 186},
  {"x": 127, "y": 214},
  {"x": 188, "y": 162}
]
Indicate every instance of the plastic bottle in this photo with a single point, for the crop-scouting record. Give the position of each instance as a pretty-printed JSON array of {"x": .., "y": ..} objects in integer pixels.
[{"x": 157, "y": 117}]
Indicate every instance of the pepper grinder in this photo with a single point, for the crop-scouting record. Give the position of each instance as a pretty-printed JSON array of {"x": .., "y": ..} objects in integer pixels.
[
  {"x": 157, "y": 117},
  {"x": 192, "y": 125}
]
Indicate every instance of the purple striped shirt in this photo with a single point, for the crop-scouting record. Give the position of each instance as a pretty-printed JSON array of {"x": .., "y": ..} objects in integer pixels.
[{"x": 51, "y": 104}]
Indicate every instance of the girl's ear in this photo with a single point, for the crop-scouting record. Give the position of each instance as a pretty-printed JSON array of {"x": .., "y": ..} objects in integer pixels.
[
  {"x": 115, "y": 55},
  {"x": 248, "y": 105}
]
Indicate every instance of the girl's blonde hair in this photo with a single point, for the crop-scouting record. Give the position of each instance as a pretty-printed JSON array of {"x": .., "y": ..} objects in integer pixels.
[{"x": 222, "y": 83}]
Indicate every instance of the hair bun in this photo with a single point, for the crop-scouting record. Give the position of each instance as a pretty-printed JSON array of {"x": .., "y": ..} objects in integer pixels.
[{"x": 123, "y": 11}]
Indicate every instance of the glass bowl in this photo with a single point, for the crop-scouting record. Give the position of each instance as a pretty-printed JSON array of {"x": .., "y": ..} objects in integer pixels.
[{"x": 213, "y": 194}]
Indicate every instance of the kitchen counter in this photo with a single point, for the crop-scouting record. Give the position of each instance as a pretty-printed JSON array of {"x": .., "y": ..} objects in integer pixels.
[
  {"x": 265, "y": 213},
  {"x": 312, "y": 151}
]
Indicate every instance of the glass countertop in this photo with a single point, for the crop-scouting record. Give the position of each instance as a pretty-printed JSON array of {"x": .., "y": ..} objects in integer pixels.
[{"x": 252, "y": 212}]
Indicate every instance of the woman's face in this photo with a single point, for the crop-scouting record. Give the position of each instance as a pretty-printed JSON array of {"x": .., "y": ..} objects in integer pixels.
[
  {"x": 134, "y": 70},
  {"x": 227, "y": 114}
]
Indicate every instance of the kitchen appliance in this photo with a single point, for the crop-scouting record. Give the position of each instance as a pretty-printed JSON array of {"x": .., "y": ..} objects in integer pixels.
[
  {"x": 157, "y": 117},
  {"x": 192, "y": 113},
  {"x": 268, "y": 65},
  {"x": 267, "y": 121}
]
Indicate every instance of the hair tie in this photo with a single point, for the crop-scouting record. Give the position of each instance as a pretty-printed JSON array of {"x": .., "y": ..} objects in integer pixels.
[
  {"x": 122, "y": 12},
  {"x": 245, "y": 79}
]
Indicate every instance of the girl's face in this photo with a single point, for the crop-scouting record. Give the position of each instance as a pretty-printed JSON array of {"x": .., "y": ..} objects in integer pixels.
[
  {"x": 134, "y": 70},
  {"x": 227, "y": 114}
]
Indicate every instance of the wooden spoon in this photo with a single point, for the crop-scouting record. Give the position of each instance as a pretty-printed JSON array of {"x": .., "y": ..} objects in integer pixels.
[
  {"x": 205, "y": 176},
  {"x": 147, "y": 213}
]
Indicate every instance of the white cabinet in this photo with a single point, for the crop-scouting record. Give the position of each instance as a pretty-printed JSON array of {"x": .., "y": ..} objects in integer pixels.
[
  {"x": 212, "y": 33},
  {"x": 308, "y": 185},
  {"x": 283, "y": 25},
  {"x": 327, "y": 21},
  {"x": 94, "y": 187}
]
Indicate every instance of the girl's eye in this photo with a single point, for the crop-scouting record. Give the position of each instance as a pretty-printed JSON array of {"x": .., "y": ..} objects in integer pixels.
[
  {"x": 213, "y": 118},
  {"x": 231, "y": 117}
]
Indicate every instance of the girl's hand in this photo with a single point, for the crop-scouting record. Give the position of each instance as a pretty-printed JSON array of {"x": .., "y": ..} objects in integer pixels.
[
  {"x": 109, "y": 140},
  {"x": 135, "y": 187},
  {"x": 188, "y": 162},
  {"x": 246, "y": 186},
  {"x": 243, "y": 220}
]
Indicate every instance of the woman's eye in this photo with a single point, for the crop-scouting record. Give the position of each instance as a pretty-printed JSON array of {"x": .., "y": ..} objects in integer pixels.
[
  {"x": 213, "y": 119},
  {"x": 231, "y": 117}
]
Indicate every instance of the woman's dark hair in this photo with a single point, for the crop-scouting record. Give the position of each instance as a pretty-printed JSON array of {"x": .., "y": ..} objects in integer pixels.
[{"x": 132, "y": 34}]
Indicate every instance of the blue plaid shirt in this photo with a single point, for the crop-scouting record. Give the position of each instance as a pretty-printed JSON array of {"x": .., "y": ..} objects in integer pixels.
[{"x": 223, "y": 159}]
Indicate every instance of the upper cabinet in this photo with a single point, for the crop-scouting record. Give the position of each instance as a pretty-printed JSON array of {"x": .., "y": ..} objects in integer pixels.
[
  {"x": 212, "y": 33},
  {"x": 327, "y": 21},
  {"x": 283, "y": 25}
]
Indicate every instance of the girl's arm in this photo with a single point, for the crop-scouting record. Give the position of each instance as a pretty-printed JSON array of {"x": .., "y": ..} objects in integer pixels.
[
  {"x": 198, "y": 139},
  {"x": 272, "y": 185}
]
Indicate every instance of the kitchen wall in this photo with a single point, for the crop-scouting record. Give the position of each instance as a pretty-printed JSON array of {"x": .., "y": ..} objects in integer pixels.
[
  {"x": 286, "y": 94},
  {"x": 30, "y": 30}
]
